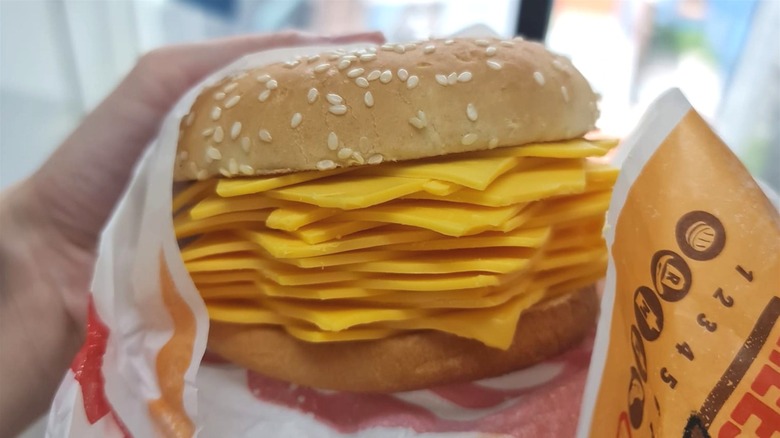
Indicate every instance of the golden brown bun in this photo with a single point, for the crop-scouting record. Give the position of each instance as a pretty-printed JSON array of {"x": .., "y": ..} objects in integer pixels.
[
  {"x": 411, "y": 361},
  {"x": 501, "y": 93}
]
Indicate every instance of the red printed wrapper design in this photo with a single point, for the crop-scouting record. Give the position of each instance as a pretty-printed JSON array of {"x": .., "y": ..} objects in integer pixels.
[{"x": 689, "y": 342}]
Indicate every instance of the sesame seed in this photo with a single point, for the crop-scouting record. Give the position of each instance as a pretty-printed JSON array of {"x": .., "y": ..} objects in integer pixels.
[
  {"x": 326, "y": 165},
  {"x": 350, "y": 58},
  {"x": 375, "y": 159},
  {"x": 410, "y": 46},
  {"x": 448, "y": 42},
  {"x": 403, "y": 75},
  {"x": 213, "y": 153},
  {"x": 490, "y": 51},
  {"x": 367, "y": 57},
  {"x": 338, "y": 109},
  {"x": 493, "y": 143},
  {"x": 386, "y": 76},
  {"x": 183, "y": 155},
  {"x": 216, "y": 112},
  {"x": 333, "y": 141},
  {"x": 412, "y": 82},
  {"x": 219, "y": 134},
  {"x": 219, "y": 95},
  {"x": 344, "y": 63},
  {"x": 233, "y": 166},
  {"x": 230, "y": 87},
  {"x": 482, "y": 43},
  {"x": 427, "y": 49},
  {"x": 312, "y": 58},
  {"x": 202, "y": 174},
  {"x": 539, "y": 78},
  {"x": 264, "y": 95},
  {"x": 471, "y": 112},
  {"x": 321, "y": 68},
  {"x": 224, "y": 172},
  {"x": 399, "y": 48},
  {"x": 246, "y": 169},
  {"x": 388, "y": 47},
  {"x": 272, "y": 84},
  {"x": 312, "y": 95},
  {"x": 190, "y": 118},
  {"x": 374, "y": 75},
  {"x": 361, "y": 82},
  {"x": 417, "y": 123},
  {"x": 235, "y": 130},
  {"x": 246, "y": 143},
  {"x": 565, "y": 93},
  {"x": 558, "y": 65},
  {"x": 333, "y": 56},
  {"x": 469, "y": 139},
  {"x": 296, "y": 120},
  {"x": 207, "y": 132},
  {"x": 506, "y": 44},
  {"x": 371, "y": 50},
  {"x": 358, "y": 157},
  {"x": 421, "y": 116},
  {"x": 368, "y": 99},
  {"x": 495, "y": 65},
  {"x": 230, "y": 103},
  {"x": 193, "y": 167},
  {"x": 518, "y": 38},
  {"x": 265, "y": 135},
  {"x": 464, "y": 76},
  {"x": 344, "y": 153},
  {"x": 291, "y": 64},
  {"x": 334, "y": 99},
  {"x": 263, "y": 78},
  {"x": 441, "y": 79},
  {"x": 452, "y": 78},
  {"x": 355, "y": 72}
]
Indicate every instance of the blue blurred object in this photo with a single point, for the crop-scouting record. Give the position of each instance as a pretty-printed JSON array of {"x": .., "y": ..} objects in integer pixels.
[{"x": 224, "y": 8}]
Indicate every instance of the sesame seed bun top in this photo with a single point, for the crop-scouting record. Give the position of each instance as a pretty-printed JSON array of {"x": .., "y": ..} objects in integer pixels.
[{"x": 388, "y": 103}]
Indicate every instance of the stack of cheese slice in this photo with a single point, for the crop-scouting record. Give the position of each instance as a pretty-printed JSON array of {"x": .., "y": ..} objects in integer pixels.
[{"x": 461, "y": 243}]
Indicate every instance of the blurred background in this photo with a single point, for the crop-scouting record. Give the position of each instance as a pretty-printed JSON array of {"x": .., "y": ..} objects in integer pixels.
[{"x": 58, "y": 58}]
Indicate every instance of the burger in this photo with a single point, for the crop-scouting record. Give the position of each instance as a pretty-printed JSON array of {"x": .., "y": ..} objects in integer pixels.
[{"x": 395, "y": 217}]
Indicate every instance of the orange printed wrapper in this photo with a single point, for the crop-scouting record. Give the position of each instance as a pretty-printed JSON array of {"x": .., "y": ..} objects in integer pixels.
[{"x": 689, "y": 341}]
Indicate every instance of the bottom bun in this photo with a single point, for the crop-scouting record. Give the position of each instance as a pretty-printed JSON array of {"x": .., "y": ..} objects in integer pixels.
[{"x": 409, "y": 361}]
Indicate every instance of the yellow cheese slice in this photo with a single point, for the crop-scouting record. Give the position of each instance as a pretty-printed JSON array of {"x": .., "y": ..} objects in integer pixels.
[
  {"x": 191, "y": 193},
  {"x": 185, "y": 227},
  {"x": 494, "y": 326},
  {"x": 337, "y": 316},
  {"x": 246, "y": 186},
  {"x": 244, "y": 312},
  {"x": 294, "y": 216},
  {"x": 435, "y": 282},
  {"x": 223, "y": 277},
  {"x": 440, "y": 188},
  {"x": 568, "y": 257},
  {"x": 231, "y": 291},
  {"x": 216, "y": 205},
  {"x": 325, "y": 230},
  {"x": 350, "y": 191},
  {"x": 331, "y": 291},
  {"x": 463, "y": 170},
  {"x": 447, "y": 218},
  {"x": 216, "y": 244},
  {"x": 519, "y": 237},
  {"x": 342, "y": 258},
  {"x": 279, "y": 273},
  {"x": 570, "y": 208},
  {"x": 559, "y": 178},
  {"x": 310, "y": 334},
  {"x": 494, "y": 260},
  {"x": 548, "y": 279},
  {"x": 284, "y": 246},
  {"x": 578, "y": 148}
]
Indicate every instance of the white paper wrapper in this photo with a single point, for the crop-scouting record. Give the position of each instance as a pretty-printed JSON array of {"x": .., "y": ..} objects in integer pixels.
[{"x": 155, "y": 383}]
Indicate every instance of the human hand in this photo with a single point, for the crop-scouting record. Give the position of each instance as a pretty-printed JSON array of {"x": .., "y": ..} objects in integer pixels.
[{"x": 51, "y": 222}]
